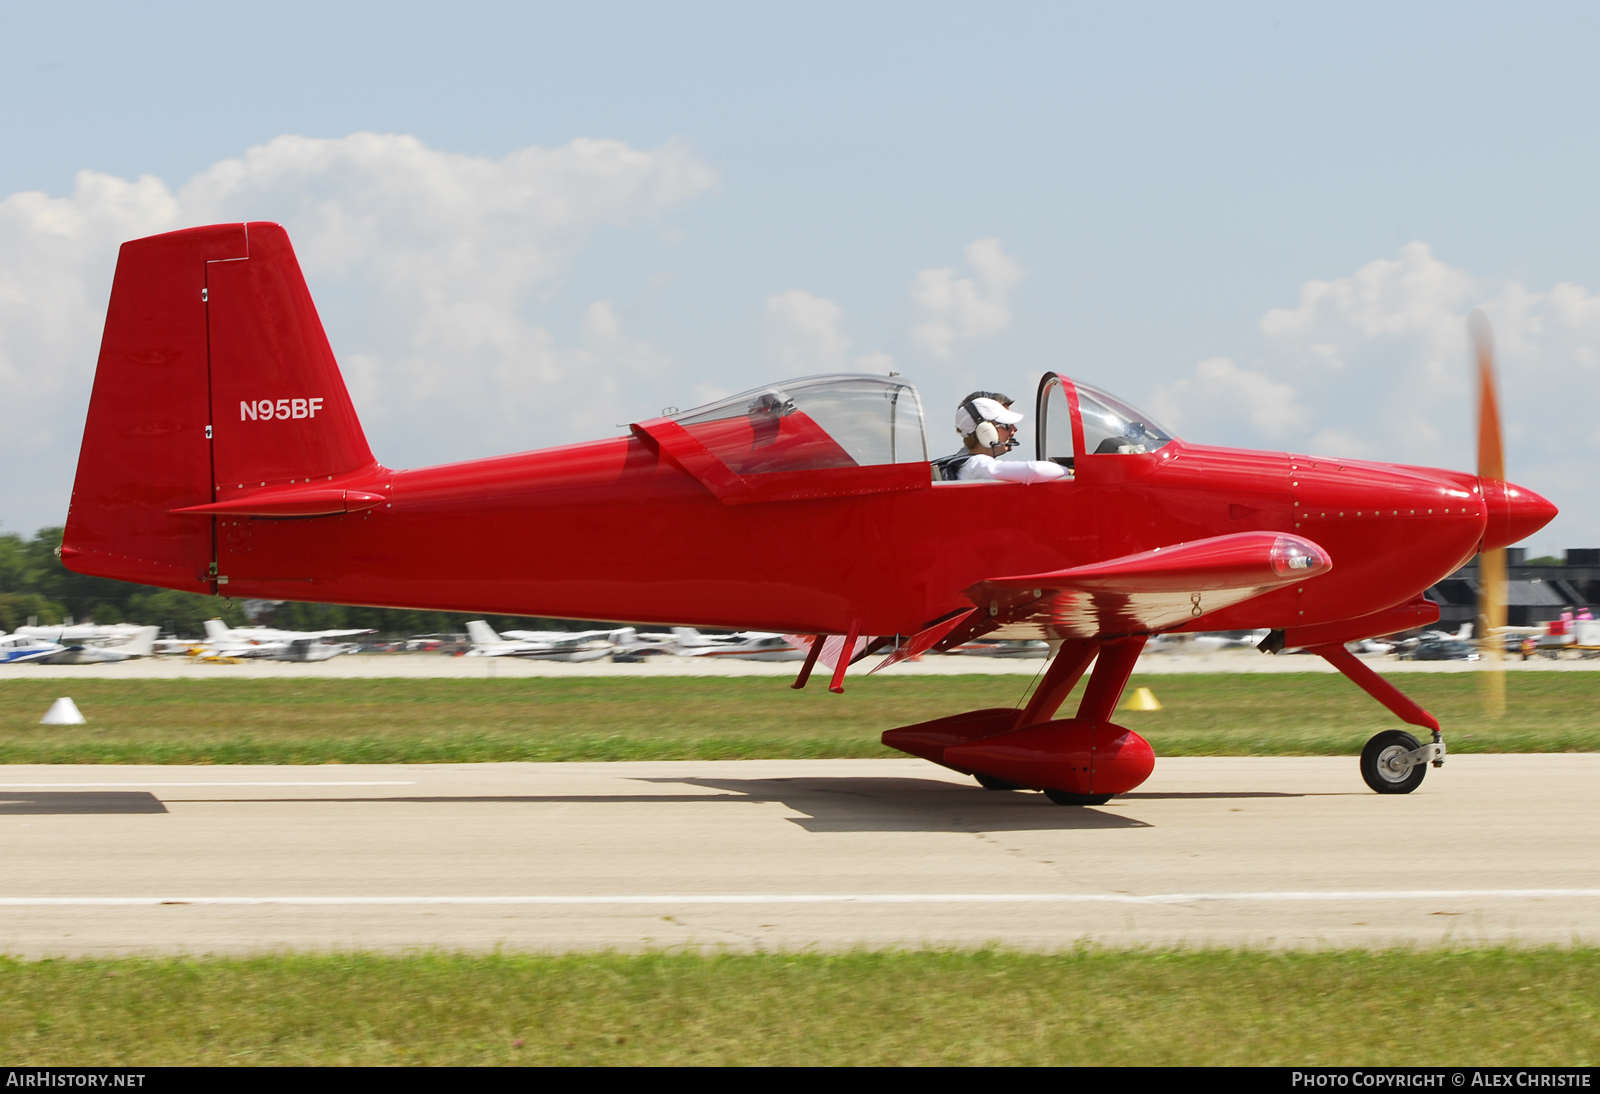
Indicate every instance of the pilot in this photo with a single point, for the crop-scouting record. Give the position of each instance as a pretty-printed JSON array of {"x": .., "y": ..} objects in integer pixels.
[{"x": 988, "y": 428}]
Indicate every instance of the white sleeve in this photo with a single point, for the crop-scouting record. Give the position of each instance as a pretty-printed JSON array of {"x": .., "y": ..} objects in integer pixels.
[{"x": 978, "y": 468}]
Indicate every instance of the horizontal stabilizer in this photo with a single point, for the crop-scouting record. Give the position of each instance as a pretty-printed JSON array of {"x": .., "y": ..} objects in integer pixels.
[{"x": 290, "y": 501}]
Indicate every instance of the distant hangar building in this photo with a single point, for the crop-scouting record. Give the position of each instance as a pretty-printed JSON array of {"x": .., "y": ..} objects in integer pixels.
[{"x": 1534, "y": 594}]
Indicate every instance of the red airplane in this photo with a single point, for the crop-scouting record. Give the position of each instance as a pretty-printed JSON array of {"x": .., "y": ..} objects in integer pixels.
[{"x": 222, "y": 455}]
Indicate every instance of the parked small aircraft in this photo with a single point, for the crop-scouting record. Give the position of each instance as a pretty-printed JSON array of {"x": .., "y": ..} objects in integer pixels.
[
  {"x": 224, "y": 642},
  {"x": 222, "y": 454},
  {"x": 141, "y": 644},
  {"x": 1462, "y": 635},
  {"x": 539, "y": 645},
  {"x": 89, "y": 634},
  {"x": 78, "y": 644},
  {"x": 627, "y": 642},
  {"x": 20, "y": 649},
  {"x": 741, "y": 646},
  {"x": 634, "y": 645}
]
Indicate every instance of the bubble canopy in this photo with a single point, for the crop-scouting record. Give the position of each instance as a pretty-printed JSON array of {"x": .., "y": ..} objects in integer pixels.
[
  {"x": 840, "y": 420},
  {"x": 1110, "y": 426}
]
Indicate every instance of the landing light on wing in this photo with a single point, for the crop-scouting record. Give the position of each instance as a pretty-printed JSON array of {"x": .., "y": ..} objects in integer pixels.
[{"x": 1289, "y": 555}]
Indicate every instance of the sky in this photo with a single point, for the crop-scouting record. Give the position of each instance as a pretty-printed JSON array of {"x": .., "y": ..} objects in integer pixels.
[{"x": 527, "y": 225}]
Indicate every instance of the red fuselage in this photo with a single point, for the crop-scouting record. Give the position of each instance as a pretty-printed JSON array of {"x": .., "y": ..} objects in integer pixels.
[{"x": 608, "y": 530}]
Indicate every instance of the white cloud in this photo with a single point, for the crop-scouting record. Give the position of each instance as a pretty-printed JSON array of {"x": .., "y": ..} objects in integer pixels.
[
  {"x": 1413, "y": 301},
  {"x": 1339, "y": 442},
  {"x": 805, "y": 334},
  {"x": 954, "y": 310},
  {"x": 56, "y": 256},
  {"x": 423, "y": 262},
  {"x": 1376, "y": 365},
  {"x": 1222, "y": 392}
]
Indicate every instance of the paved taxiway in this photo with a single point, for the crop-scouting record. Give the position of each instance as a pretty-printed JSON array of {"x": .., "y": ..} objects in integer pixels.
[{"x": 788, "y": 854}]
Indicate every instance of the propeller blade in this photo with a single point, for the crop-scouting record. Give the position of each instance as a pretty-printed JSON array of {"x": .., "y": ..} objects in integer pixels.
[
  {"x": 1491, "y": 563},
  {"x": 1491, "y": 451},
  {"x": 1492, "y": 617}
]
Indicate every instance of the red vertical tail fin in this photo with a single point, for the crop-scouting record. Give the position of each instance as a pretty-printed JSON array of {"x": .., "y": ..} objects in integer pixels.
[{"x": 215, "y": 379}]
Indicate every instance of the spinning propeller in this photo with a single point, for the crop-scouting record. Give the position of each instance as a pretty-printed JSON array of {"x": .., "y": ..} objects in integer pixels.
[{"x": 1492, "y": 560}]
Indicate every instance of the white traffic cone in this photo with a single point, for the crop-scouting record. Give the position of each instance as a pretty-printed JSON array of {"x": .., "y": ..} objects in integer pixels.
[{"x": 63, "y": 712}]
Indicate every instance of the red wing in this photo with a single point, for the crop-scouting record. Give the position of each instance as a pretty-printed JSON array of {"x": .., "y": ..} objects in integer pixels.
[{"x": 1150, "y": 591}]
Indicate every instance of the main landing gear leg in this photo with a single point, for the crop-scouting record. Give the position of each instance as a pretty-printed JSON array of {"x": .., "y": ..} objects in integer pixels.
[
  {"x": 1110, "y": 677},
  {"x": 1059, "y": 680},
  {"x": 1106, "y": 684},
  {"x": 1075, "y": 761},
  {"x": 1393, "y": 762}
]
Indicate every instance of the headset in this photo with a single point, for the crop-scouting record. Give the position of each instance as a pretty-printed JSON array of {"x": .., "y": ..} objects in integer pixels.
[{"x": 987, "y": 433}]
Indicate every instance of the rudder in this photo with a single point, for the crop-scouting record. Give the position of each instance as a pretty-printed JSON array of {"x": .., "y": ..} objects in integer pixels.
[{"x": 281, "y": 412}]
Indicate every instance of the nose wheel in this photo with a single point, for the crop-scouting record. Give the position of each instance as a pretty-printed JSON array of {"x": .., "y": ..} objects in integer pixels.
[{"x": 1395, "y": 762}]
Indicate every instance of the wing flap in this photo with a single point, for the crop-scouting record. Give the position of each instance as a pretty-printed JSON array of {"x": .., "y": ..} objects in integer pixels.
[{"x": 924, "y": 640}]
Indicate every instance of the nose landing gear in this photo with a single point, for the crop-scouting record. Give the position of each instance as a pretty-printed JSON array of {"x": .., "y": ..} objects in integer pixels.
[{"x": 1394, "y": 762}]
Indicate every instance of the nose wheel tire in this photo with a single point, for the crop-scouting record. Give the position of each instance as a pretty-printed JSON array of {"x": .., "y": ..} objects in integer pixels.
[
  {"x": 1061, "y": 797},
  {"x": 989, "y": 782},
  {"x": 1384, "y": 766}
]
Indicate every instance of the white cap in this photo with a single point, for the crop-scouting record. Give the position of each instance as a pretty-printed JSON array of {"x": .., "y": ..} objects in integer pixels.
[{"x": 991, "y": 411}]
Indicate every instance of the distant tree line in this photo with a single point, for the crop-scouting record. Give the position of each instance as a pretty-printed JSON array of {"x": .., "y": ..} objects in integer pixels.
[{"x": 34, "y": 584}]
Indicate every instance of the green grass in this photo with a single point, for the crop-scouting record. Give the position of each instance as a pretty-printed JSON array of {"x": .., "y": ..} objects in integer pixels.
[
  {"x": 1484, "y": 1007},
  {"x": 457, "y": 721}
]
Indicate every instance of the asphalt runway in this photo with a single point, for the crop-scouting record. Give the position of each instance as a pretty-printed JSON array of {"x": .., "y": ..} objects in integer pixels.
[{"x": 829, "y": 854}]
